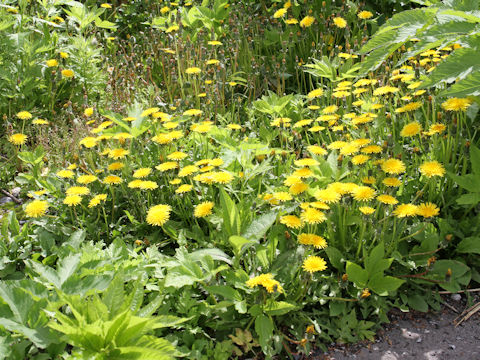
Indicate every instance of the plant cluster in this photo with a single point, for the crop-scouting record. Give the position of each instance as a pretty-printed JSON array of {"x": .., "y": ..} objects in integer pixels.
[{"x": 243, "y": 181}]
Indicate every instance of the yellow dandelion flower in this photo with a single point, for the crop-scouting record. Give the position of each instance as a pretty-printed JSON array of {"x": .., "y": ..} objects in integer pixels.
[
  {"x": 96, "y": 200},
  {"x": 363, "y": 193},
  {"x": 315, "y": 93},
  {"x": 193, "y": 70},
  {"x": 311, "y": 239},
  {"x": 203, "y": 209},
  {"x": 340, "y": 22},
  {"x": 456, "y": 104},
  {"x": 17, "y": 139},
  {"x": 67, "y": 73},
  {"x": 280, "y": 13},
  {"x": 66, "y": 174},
  {"x": 327, "y": 196},
  {"x": 312, "y": 216},
  {"x": 393, "y": 166},
  {"x": 427, "y": 210},
  {"x": 118, "y": 153},
  {"x": 158, "y": 215},
  {"x": 432, "y": 168},
  {"x": 391, "y": 182},
  {"x": 405, "y": 210},
  {"x": 112, "y": 180},
  {"x": 193, "y": 112},
  {"x": 184, "y": 188},
  {"x": 36, "y": 208},
  {"x": 307, "y": 21},
  {"x": 387, "y": 199},
  {"x": 364, "y": 15},
  {"x": 78, "y": 190},
  {"x": 360, "y": 159},
  {"x": 188, "y": 170},
  {"x": 72, "y": 200},
  {"x": 313, "y": 264},
  {"x": 291, "y": 221},
  {"x": 411, "y": 129},
  {"x": 366, "y": 210},
  {"x": 298, "y": 188},
  {"x": 142, "y": 173}
]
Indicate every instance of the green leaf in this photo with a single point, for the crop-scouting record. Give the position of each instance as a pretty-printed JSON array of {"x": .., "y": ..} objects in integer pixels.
[
  {"x": 227, "y": 292},
  {"x": 383, "y": 284},
  {"x": 416, "y": 302},
  {"x": 469, "y": 199},
  {"x": 230, "y": 214},
  {"x": 273, "y": 307},
  {"x": 475, "y": 158},
  {"x": 357, "y": 274},
  {"x": 264, "y": 330},
  {"x": 239, "y": 244},
  {"x": 469, "y": 86},
  {"x": 259, "y": 227},
  {"x": 469, "y": 245},
  {"x": 335, "y": 257},
  {"x": 113, "y": 297}
]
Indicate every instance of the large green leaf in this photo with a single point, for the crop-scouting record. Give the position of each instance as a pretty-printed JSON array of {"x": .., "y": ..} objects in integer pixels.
[
  {"x": 264, "y": 329},
  {"x": 469, "y": 86},
  {"x": 259, "y": 227},
  {"x": 357, "y": 274}
]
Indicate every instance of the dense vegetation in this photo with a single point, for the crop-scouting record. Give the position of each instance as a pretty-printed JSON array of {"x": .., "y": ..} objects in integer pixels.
[{"x": 221, "y": 179}]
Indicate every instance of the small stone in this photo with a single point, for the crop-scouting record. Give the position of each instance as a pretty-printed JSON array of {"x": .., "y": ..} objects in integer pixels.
[
  {"x": 419, "y": 340},
  {"x": 15, "y": 191},
  {"x": 5, "y": 200},
  {"x": 456, "y": 297},
  {"x": 453, "y": 347}
]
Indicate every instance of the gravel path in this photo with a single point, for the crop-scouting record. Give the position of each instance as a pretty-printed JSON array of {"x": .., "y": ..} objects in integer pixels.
[{"x": 415, "y": 335}]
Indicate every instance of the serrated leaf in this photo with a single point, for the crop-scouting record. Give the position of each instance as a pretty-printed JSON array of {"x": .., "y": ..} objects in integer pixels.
[
  {"x": 469, "y": 86},
  {"x": 259, "y": 227},
  {"x": 357, "y": 274},
  {"x": 381, "y": 284}
]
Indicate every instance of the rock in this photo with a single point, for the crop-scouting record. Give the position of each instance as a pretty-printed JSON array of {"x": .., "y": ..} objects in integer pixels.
[
  {"x": 453, "y": 347},
  {"x": 5, "y": 200},
  {"x": 15, "y": 191},
  {"x": 456, "y": 297}
]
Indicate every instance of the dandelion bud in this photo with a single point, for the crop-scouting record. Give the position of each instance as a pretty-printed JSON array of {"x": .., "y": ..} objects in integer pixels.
[
  {"x": 431, "y": 260},
  {"x": 310, "y": 329},
  {"x": 449, "y": 237},
  {"x": 448, "y": 274},
  {"x": 467, "y": 144},
  {"x": 287, "y": 235},
  {"x": 138, "y": 242},
  {"x": 344, "y": 277},
  {"x": 324, "y": 3},
  {"x": 146, "y": 242},
  {"x": 365, "y": 293}
]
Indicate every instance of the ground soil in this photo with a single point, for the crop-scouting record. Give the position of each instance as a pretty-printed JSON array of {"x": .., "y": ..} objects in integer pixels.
[{"x": 423, "y": 336}]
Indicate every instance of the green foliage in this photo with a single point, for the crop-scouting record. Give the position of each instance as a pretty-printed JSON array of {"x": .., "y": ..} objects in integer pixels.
[{"x": 440, "y": 25}]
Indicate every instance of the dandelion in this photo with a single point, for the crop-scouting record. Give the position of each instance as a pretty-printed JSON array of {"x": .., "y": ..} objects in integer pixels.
[
  {"x": 313, "y": 264},
  {"x": 118, "y": 153},
  {"x": 17, "y": 139},
  {"x": 291, "y": 21},
  {"x": 291, "y": 221},
  {"x": 184, "y": 188},
  {"x": 88, "y": 112},
  {"x": 51, "y": 63},
  {"x": 364, "y": 15},
  {"x": 432, "y": 168},
  {"x": 313, "y": 216},
  {"x": 65, "y": 174},
  {"x": 393, "y": 166},
  {"x": 372, "y": 149},
  {"x": 427, "y": 210},
  {"x": 193, "y": 70},
  {"x": 134, "y": 184},
  {"x": 280, "y": 13},
  {"x": 456, "y": 104},
  {"x": 366, "y": 210},
  {"x": 307, "y": 21},
  {"x": 147, "y": 185},
  {"x": 112, "y": 180},
  {"x": 267, "y": 281},
  {"x": 282, "y": 196},
  {"x": 298, "y": 188},
  {"x": 193, "y": 112},
  {"x": 363, "y": 193},
  {"x": 158, "y": 215},
  {"x": 203, "y": 209},
  {"x": 405, "y": 210},
  {"x": 360, "y": 159},
  {"x": 385, "y": 90},
  {"x": 36, "y": 208},
  {"x": 72, "y": 200},
  {"x": 214, "y": 43},
  {"x": 315, "y": 93},
  {"x": 411, "y": 129},
  {"x": 187, "y": 170},
  {"x": 96, "y": 200},
  {"x": 391, "y": 182},
  {"x": 311, "y": 239},
  {"x": 387, "y": 199},
  {"x": 78, "y": 190},
  {"x": 142, "y": 173},
  {"x": 306, "y": 162},
  {"x": 40, "y": 122},
  {"x": 340, "y": 22},
  {"x": 115, "y": 166},
  {"x": 436, "y": 129},
  {"x": 327, "y": 196},
  {"x": 67, "y": 73}
]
